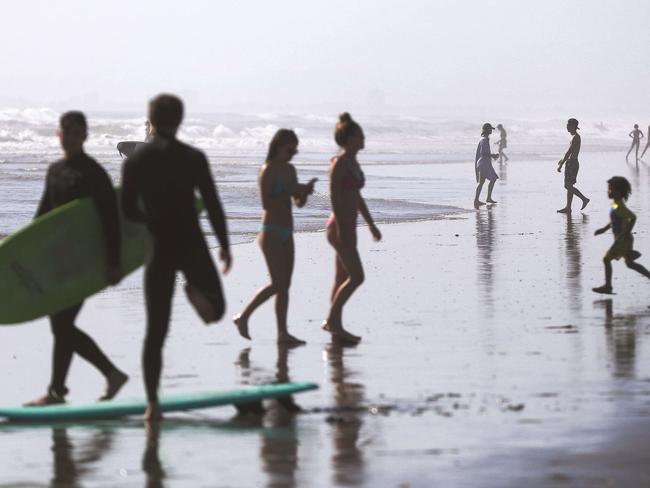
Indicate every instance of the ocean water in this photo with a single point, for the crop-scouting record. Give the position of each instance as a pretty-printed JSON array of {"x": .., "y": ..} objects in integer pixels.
[{"x": 397, "y": 147}]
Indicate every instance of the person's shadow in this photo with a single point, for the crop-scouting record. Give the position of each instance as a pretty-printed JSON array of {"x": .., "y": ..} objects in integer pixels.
[
  {"x": 571, "y": 241},
  {"x": 485, "y": 232},
  {"x": 69, "y": 468},
  {"x": 346, "y": 419},
  {"x": 620, "y": 334}
]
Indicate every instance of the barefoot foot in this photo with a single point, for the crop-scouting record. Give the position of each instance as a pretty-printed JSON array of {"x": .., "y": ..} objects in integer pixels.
[
  {"x": 290, "y": 341},
  {"x": 585, "y": 202},
  {"x": 114, "y": 382},
  {"x": 242, "y": 326},
  {"x": 489, "y": 200},
  {"x": 478, "y": 204},
  {"x": 564, "y": 210}
]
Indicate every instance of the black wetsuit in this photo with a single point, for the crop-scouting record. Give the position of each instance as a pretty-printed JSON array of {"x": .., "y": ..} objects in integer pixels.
[
  {"x": 69, "y": 179},
  {"x": 164, "y": 176}
]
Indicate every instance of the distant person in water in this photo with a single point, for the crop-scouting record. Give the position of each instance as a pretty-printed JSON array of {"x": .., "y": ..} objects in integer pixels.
[
  {"x": 483, "y": 166},
  {"x": 647, "y": 144},
  {"x": 78, "y": 176},
  {"x": 148, "y": 131},
  {"x": 278, "y": 182},
  {"x": 636, "y": 136},
  {"x": 572, "y": 167},
  {"x": 163, "y": 176},
  {"x": 346, "y": 182},
  {"x": 502, "y": 143},
  {"x": 621, "y": 221}
]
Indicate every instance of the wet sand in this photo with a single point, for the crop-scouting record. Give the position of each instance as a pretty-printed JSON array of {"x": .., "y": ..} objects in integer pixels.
[{"x": 486, "y": 360}]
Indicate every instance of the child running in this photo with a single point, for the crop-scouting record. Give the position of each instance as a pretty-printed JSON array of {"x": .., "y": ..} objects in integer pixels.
[
  {"x": 622, "y": 222},
  {"x": 278, "y": 185}
]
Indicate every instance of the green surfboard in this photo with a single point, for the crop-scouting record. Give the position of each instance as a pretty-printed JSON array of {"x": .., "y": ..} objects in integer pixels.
[
  {"x": 59, "y": 259},
  {"x": 173, "y": 403}
]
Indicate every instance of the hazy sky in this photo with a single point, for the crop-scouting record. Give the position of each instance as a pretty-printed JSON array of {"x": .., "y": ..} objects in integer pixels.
[{"x": 514, "y": 56}]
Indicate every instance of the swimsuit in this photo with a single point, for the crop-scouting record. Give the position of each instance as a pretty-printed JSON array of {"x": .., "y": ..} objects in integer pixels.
[
  {"x": 623, "y": 246},
  {"x": 352, "y": 180}
]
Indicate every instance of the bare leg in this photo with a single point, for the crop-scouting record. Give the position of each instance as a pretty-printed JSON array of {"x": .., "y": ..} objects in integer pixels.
[
  {"x": 490, "y": 188},
  {"x": 637, "y": 151},
  {"x": 637, "y": 267},
  {"x": 628, "y": 153},
  {"x": 262, "y": 295},
  {"x": 646, "y": 148},
  {"x": 584, "y": 199},
  {"x": 479, "y": 187},
  {"x": 349, "y": 276},
  {"x": 505, "y": 156},
  {"x": 607, "y": 287}
]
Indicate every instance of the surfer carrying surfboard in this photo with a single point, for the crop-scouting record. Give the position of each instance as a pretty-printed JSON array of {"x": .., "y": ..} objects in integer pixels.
[
  {"x": 163, "y": 176},
  {"x": 77, "y": 176}
]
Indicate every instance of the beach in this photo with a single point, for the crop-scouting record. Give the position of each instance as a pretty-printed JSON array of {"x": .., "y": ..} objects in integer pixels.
[{"x": 486, "y": 359}]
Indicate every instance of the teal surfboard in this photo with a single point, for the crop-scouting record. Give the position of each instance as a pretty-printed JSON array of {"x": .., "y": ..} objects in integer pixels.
[
  {"x": 59, "y": 259},
  {"x": 173, "y": 403}
]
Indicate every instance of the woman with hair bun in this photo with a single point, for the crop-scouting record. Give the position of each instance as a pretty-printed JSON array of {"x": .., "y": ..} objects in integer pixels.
[
  {"x": 346, "y": 181},
  {"x": 278, "y": 183}
]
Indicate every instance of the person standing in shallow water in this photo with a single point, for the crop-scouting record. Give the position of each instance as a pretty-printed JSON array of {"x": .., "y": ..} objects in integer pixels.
[
  {"x": 278, "y": 183},
  {"x": 346, "y": 181},
  {"x": 636, "y": 136},
  {"x": 483, "y": 166},
  {"x": 502, "y": 143},
  {"x": 164, "y": 176},
  {"x": 572, "y": 167},
  {"x": 78, "y": 176},
  {"x": 621, "y": 221}
]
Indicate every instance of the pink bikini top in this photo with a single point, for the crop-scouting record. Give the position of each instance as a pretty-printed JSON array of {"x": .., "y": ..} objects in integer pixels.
[{"x": 352, "y": 180}]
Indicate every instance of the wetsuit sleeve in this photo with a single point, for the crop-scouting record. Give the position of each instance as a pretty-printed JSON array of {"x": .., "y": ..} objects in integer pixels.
[
  {"x": 106, "y": 202},
  {"x": 45, "y": 204},
  {"x": 129, "y": 192},
  {"x": 212, "y": 203}
]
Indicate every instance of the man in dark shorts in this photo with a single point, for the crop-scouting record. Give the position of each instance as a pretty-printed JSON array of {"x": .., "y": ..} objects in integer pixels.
[
  {"x": 572, "y": 167},
  {"x": 77, "y": 176},
  {"x": 163, "y": 176}
]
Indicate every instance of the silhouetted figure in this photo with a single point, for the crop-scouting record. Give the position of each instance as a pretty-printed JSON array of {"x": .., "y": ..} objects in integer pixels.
[
  {"x": 278, "y": 183},
  {"x": 164, "y": 176},
  {"x": 572, "y": 167},
  {"x": 502, "y": 143},
  {"x": 78, "y": 176},
  {"x": 636, "y": 136},
  {"x": 647, "y": 144},
  {"x": 621, "y": 221},
  {"x": 483, "y": 166},
  {"x": 346, "y": 181}
]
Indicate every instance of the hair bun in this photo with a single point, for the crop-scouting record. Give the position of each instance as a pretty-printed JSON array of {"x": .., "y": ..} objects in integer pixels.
[{"x": 345, "y": 117}]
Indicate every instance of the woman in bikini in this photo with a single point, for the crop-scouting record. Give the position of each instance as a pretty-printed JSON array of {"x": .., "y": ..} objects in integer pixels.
[
  {"x": 346, "y": 181},
  {"x": 278, "y": 183}
]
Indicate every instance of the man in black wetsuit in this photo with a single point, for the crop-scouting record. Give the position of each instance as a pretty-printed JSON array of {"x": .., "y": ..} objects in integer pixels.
[
  {"x": 164, "y": 175},
  {"x": 77, "y": 176}
]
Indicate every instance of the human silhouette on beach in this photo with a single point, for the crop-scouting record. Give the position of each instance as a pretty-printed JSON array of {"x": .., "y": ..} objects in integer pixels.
[
  {"x": 163, "y": 176},
  {"x": 572, "y": 167},
  {"x": 621, "y": 221},
  {"x": 647, "y": 144},
  {"x": 278, "y": 182},
  {"x": 502, "y": 143},
  {"x": 483, "y": 166},
  {"x": 77, "y": 176},
  {"x": 346, "y": 181},
  {"x": 636, "y": 136}
]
